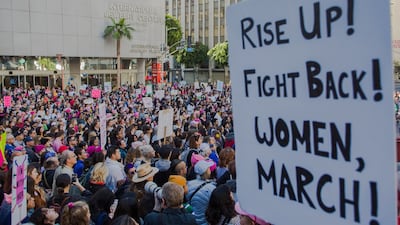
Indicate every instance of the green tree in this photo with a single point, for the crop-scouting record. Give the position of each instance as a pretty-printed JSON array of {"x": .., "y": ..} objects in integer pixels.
[
  {"x": 46, "y": 64},
  {"x": 219, "y": 53},
  {"x": 174, "y": 32},
  {"x": 118, "y": 30},
  {"x": 196, "y": 58}
]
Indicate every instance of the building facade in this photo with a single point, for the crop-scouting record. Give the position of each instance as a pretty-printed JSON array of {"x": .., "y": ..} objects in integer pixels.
[
  {"x": 57, "y": 42},
  {"x": 203, "y": 20}
]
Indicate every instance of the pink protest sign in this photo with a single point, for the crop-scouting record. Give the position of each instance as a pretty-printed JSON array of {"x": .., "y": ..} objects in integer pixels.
[
  {"x": 96, "y": 93},
  {"x": 7, "y": 101},
  {"x": 18, "y": 202},
  {"x": 20, "y": 183}
]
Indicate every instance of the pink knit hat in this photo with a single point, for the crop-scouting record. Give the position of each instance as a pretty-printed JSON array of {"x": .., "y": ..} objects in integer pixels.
[{"x": 254, "y": 218}]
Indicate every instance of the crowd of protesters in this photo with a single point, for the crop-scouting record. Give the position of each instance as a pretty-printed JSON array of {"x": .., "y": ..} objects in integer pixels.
[{"x": 136, "y": 177}]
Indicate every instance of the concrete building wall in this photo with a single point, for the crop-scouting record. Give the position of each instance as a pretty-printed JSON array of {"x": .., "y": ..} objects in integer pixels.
[{"x": 74, "y": 28}]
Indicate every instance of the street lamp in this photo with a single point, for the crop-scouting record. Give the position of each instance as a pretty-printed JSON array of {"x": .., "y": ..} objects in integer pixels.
[
  {"x": 167, "y": 48},
  {"x": 166, "y": 36}
]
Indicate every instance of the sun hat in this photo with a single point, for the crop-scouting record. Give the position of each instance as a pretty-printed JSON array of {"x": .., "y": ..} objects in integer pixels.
[
  {"x": 143, "y": 172},
  {"x": 254, "y": 218},
  {"x": 201, "y": 166}
]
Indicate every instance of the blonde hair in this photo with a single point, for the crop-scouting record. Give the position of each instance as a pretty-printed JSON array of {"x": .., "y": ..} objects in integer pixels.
[
  {"x": 75, "y": 213},
  {"x": 99, "y": 172}
]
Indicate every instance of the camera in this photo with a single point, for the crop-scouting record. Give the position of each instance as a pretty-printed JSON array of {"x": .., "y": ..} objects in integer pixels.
[
  {"x": 152, "y": 188},
  {"x": 73, "y": 178}
]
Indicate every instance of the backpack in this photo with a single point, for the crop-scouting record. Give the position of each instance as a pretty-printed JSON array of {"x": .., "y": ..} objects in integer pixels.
[{"x": 85, "y": 177}]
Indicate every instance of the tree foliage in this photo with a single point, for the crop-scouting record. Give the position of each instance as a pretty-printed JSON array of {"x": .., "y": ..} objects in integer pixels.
[
  {"x": 219, "y": 53},
  {"x": 118, "y": 29},
  {"x": 196, "y": 58},
  {"x": 46, "y": 64},
  {"x": 173, "y": 27}
]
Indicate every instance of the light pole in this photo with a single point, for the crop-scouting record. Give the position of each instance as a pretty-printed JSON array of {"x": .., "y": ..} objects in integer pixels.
[{"x": 166, "y": 57}]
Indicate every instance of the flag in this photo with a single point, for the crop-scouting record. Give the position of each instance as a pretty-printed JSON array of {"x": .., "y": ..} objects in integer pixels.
[{"x": 3, "y": 138}]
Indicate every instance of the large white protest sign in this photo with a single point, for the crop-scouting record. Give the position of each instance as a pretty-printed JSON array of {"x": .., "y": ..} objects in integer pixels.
[
  {"x": 107, "y": 86},
  {"x": 220, "y": 85},
  {"x": 138, "y": 91},
  {"x": 196, "y": 85},
  {"x": 165, "y": 119},
  {"x": 159, "y": 94},
  {"x": 313, "y": 109},
  {"x": 103, "y": 124},
  {"x": 19, "y": 174},
  {"x": 147, "y": 102},
  {"x": 174, "y": 92},
  {"x": 149, "y": 89}
]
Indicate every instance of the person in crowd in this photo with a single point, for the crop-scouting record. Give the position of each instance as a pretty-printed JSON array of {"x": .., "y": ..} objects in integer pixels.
[
  {"x": 124, "y": 220},
  {"x": 19, "y": 138},
  {"x": 76, "y": 213},
  {"x": 94, "y": 146},
  {"x": 72, "y": 142},
  {"x": 58, "y": 140},
  {"x": 226, "y": 155},
  {"x": 9, "y": 148},
  {"x": 44, "y": 216},
  {"x": 100, "y": 206},
  {"x": 67, "y": 162},
  {"x": 194, "y": 148},
  {"x": 30, "y": 199},
  {"x": 90, "y": 162},
  {"x": 49, "y": 167},
  {"x": 128, "y": 205},
  {"x": 123, "y": 149},
  {"x": 200, "y": 190},
  {"x": 147, "y": 131},
  {"x": 98, "y": 177},
  {"x": 178, "y": 167},
  {"x": 116, "y": 174},
  {"x": 180, "y": 180},
  {"x": 38, "y": 193},
  {"x": 169, "y": 209},
  {"x": 30, "y": 150},
  {"x": 81, "y": 157},
  {"x": 247, "y": 218},
  {"x": 163, "y": 164},
  {"x": 148, "y": 154},
  {"x": 144, "y": 173},
  {"x": 221, "y": 207},
  {"x": 63, "y": 194}
]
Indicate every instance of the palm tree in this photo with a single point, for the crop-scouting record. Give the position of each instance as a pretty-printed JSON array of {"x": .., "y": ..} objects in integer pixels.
[{"x": 118, "y": 30}]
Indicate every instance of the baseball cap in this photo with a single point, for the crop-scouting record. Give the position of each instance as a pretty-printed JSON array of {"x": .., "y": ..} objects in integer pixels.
[
  {"x": 28, "y": 138},
  {"x": 202, "y": 166}
]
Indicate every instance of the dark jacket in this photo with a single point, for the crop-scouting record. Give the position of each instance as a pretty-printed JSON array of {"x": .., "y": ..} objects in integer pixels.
[{"x": 170, "y": 216}]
